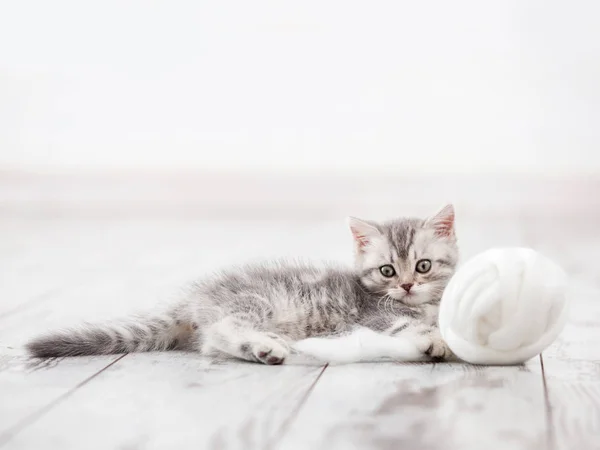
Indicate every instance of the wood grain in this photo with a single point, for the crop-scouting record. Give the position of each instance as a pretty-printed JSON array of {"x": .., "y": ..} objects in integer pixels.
[
  {"x": 175, "y": 400},
  {"x": 29, "y": 389},
  {"x": 446, "y": 406},
  {"x": 572, "y": 375}
]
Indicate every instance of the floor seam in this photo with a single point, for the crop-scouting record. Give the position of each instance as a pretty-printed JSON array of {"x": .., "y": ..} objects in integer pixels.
[
  {"x": 288, "y": 422},
  {"x": 11, "y": 432},
  {"x": 550, "y": 437}
]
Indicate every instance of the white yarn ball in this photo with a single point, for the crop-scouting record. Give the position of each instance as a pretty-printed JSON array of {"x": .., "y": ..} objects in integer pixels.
[{"x": 504, "y": 306}]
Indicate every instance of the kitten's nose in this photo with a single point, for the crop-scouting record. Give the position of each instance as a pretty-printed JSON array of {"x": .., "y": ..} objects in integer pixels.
[{"x": 406, "y": 286}]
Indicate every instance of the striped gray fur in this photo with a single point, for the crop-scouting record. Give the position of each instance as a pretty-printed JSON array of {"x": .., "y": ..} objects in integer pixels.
[{"x": 254, "y": 312}]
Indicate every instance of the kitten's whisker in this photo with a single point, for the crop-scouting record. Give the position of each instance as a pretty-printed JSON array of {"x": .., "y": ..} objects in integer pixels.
[{"x": 389, "y": 303}]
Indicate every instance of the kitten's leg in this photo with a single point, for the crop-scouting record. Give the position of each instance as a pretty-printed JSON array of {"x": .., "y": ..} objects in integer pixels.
[
  {"x": 358, "y": 345},
  {"x": 237, "y": 335},
  {"x": 427, "y": 338}
]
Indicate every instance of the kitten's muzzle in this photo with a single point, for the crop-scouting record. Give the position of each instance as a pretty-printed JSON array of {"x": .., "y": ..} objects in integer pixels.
[{"x": 407, "y": 286}]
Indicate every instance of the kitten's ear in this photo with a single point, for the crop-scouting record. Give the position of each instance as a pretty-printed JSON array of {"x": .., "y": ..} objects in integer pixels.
[
  {"x": 363, "y": 232},
  {"x": 443, "y": 221}
]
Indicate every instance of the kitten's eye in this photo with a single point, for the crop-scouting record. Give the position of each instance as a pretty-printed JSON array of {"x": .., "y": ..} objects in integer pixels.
[
  {"x": 423, "y": 266},
  {"x": 387, "y": 271}
]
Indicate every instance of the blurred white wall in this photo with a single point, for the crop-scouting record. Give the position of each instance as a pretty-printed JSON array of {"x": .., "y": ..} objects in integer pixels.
[{"x": 462, "y": 86}]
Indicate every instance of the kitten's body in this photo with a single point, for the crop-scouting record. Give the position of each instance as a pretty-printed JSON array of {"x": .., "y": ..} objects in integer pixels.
[{"x": 255, "y": 312}]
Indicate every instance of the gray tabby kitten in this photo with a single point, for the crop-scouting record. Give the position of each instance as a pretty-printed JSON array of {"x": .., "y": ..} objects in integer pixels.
[{"x": 255, "y": 312}]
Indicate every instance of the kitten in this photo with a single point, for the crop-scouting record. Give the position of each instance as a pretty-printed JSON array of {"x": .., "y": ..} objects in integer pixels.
[{"x": 255, "y": 312}]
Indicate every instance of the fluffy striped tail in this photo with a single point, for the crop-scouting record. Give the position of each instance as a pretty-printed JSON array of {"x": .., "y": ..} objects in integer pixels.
[{"x": 137, "y": 334}]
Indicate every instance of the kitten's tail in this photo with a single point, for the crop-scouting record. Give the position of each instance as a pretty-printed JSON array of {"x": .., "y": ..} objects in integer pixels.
[
  {"x": 137, "y": 334},
  {"x": 361, "y": 345}
]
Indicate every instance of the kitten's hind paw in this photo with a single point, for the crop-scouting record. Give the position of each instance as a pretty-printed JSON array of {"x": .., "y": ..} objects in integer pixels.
[{"x": 269, "y": 350}]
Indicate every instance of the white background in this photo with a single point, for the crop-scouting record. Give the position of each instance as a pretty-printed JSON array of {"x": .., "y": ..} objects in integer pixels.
[{"x": 463, "y": 86}]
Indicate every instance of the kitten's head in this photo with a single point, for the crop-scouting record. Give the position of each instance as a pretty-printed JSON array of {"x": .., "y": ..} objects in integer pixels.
[{"x": 411, "y": 260}]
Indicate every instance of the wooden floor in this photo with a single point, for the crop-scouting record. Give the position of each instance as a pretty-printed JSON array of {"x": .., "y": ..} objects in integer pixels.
[{"x": 56, "y": 272}]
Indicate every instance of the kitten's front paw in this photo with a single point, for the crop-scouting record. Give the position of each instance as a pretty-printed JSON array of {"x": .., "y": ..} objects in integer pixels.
[{"x": 435, "y": 347}]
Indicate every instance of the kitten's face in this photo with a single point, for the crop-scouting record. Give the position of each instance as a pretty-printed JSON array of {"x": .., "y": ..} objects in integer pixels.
[{"x": 410, "y": 260}]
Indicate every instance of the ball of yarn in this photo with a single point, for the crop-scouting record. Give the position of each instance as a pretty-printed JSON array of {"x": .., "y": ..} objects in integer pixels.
[{"x": 504, "y": 306}]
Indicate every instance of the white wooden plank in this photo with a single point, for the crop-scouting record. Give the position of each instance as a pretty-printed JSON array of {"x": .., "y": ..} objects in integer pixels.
[
  {"x": 28, "y": 387},
  {"x": 174, "y": 400},
  {"x": 446, "y": 406},
  {"x": 572, "y": 374},
  {"x": 572, "y": 364}
]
